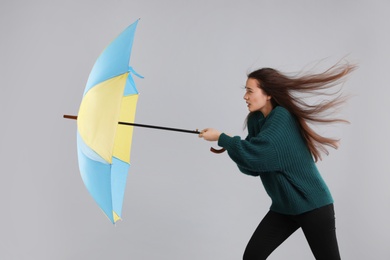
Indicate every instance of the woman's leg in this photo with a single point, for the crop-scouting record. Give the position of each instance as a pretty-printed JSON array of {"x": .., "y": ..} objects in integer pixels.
[
  {"x": 319, "y": 228},
  {"x": 272, "y": 231}
]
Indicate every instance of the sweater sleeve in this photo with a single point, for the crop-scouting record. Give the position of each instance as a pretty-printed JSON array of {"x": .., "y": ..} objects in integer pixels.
[
  {"x": 262, "y": 149},
  {"x": 252, "y": 155}
]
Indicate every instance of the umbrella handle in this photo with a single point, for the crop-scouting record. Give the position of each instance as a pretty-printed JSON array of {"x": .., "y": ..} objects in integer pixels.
[{"x": 218, "y": 151}]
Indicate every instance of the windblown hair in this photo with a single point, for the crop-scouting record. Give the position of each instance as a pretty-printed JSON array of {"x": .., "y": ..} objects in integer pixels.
[{"x": 287, "y": 91}]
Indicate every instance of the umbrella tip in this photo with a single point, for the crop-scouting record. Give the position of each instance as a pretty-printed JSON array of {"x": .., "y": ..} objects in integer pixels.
[{"x": 70, "y": 117}]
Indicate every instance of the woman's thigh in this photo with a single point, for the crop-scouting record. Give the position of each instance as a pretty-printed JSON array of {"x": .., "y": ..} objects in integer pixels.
[
  {"x": 272, "y": 231},
  {"x": 319, "y": 228}
]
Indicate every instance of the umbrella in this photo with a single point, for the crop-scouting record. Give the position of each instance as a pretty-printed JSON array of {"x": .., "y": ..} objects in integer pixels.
[
  {"x": 105, "y": 125},
  {"x": 104, "y": 146}
]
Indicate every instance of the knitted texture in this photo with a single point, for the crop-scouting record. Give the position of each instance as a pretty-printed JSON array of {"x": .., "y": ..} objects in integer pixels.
[{"x": 276, "y": 151}]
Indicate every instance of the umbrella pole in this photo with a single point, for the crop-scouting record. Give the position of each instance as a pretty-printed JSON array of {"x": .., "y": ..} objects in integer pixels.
[
  {"x": 160, "y": 128},
  {"x": 148, "y": 126}
]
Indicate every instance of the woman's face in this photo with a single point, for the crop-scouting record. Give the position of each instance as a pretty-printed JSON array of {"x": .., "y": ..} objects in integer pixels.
[{"x": 256, "y": 99}]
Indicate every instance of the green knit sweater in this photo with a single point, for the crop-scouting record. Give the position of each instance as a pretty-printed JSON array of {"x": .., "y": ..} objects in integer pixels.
[{"x": 276, "y": 151}]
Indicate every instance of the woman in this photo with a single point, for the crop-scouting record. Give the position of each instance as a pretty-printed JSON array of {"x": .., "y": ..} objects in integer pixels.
[{"x": 282, "y": 149}]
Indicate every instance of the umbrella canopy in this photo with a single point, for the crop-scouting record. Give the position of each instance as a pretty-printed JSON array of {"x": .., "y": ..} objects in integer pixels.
[{"x": 104, "y": 145}]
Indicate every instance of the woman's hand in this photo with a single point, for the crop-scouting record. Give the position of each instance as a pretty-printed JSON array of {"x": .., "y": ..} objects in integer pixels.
[{"x": 210, "y": 134}]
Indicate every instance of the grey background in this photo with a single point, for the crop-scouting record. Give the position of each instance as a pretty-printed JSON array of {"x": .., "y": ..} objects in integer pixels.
[{"x": 182, "y": 202}]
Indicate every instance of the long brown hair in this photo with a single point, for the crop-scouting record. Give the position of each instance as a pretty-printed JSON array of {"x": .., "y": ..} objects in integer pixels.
[{"x": 284, "y": 91}]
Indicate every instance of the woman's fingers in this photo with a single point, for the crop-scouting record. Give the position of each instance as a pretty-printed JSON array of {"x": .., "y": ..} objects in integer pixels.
[{"x": 210, "y": 134}]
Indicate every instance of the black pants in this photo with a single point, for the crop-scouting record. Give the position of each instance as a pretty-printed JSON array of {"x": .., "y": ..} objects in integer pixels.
[{"x": 318, "y": 226}]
